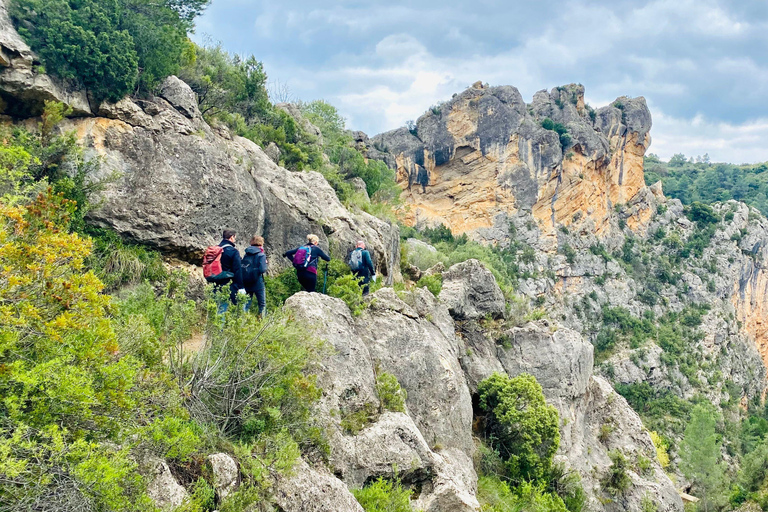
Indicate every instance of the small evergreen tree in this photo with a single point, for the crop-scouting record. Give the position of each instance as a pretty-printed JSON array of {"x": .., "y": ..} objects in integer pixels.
[{"x": 701, "y": 460}]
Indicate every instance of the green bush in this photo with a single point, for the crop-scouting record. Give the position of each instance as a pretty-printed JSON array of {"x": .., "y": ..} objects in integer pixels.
[
  {"x": 495, "y": 495},
  {"x": 108, "y": 47},
  {"x": 433, "y": 283},
  {"x": 384, "y": 496},
  {"x": 390, "y": 393},
  {"x": 348, "y": 289},
  {"x": 520, "y": 424},
  {"x": 616, "y": 481}
]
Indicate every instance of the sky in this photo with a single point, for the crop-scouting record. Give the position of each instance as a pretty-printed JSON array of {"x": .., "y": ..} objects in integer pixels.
[{"x": 702, "y": 65}]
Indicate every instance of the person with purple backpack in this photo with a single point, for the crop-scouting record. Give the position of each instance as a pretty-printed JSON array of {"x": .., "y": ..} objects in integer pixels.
[{"x": 305, "y": 259}]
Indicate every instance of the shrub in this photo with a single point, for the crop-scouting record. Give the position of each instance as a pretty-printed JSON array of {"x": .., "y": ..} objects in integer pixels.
[
  {"x": 65, "y": 388},
  {"x": 108, "y": 47},
  {"x": 495, "y": 495},
  {"x": 348, "y": 289},
  {"x": 390, "y": 393},
  {"x": 616, "y": 481},
  {"x": 384, "y": 496},
  {"x": 250, "y": 378},
  {"x": 662, "y": 447},
  {"x": 701, "y": 213},
  {"x": 521, "y": 425},
  {"x": 433, "y": 283}
]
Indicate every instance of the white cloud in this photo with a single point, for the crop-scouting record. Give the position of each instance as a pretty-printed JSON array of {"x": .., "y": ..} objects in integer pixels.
[{"x": 723, "y": 142}]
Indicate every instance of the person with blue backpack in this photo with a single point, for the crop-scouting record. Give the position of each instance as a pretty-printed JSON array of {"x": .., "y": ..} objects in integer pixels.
[
  {"x": 254, "y": 268},
  {"x": 362, "y": 266},
  {"x": 305, "y": 259}
]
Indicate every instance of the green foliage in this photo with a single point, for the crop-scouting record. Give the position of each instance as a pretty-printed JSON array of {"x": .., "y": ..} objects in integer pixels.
[
  {"x": 279, "y": 287},
  {"x": 520, "y": 424},
  {"x": 616, "y": 481},
  {"x": 701, "y": 213},
  {"x": 250, "y": 378},
  {"x": 433, "y": 283},
  {"x": 108, "y": 47},
  {"x": 348, "y": 289},
  {"x": 229, "y": 87},
  {"x": 495, "y": 495},
  {"x": 384, "y": 496},
  {"x": 391, "y": 395},
  {"x": 707, "y": 182},
  {"x": 118, "y": 263},
  {"x": 700, "y": 459},
  {"x": 68, "y": 393},
  {"x": 353, "y": 422}
]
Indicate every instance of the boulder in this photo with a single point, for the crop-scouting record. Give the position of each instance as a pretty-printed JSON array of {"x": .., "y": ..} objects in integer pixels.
[
  {"x": 359, "y": 186},
  {"x": 162, "y": 487},
  {"x": 310, "y": 129},
  {"x": 273, "y": 152},
  {"x": 180, "y": 96},
  {"x": 180, "y": 183},
  {"x": 313, "y": 490},
  {"x": 470, "y": 291},
  {"x": 226, "y": 474}
]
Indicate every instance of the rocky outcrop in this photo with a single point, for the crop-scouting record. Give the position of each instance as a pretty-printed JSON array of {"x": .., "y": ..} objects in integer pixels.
[
  {"x": 226, "y": 474},
  {"x": 430, "y": 446},
  {"x": 24, "y": 86},
  {"x": 487, "y": 156},
  {"x": 413, "y": 337},
  {"x": 313, "y": 490},
  {"x": 470, "y": 292},
  {"x": 173, "y": 183}
]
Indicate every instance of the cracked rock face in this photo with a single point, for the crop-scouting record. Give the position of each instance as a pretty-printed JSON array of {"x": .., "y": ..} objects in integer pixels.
[
  {"x": 413, "y": 336},
  {"x": 487, "y": 157},
  {"x": 470, "y": 292}
]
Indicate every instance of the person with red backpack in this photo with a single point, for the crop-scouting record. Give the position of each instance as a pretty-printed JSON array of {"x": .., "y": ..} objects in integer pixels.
[
  {"x": 305, "y": 259},
  {"x": 222, "y": 265}
]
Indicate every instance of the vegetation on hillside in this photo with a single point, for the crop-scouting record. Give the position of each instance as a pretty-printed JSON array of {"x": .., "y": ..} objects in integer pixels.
[
  {"x": 110, "y": 48},
  {"x": 690, "y": 180}
]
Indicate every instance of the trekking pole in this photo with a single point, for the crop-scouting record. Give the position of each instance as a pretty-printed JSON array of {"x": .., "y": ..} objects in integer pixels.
[{"x": 325, "y": 277}]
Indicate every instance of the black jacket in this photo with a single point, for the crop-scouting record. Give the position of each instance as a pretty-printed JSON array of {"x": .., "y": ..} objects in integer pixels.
[
  {"x": 255, "y": 258},
  {"x": 231, "y": 262},
  {"x": 316, "y": 252}
]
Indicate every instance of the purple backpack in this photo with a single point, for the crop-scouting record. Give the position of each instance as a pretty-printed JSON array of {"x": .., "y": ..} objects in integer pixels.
[{"x": 302, "y": 257}]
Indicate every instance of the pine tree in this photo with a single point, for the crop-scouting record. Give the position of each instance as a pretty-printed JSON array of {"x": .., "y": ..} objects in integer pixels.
[{"x": 701, "y": 458}]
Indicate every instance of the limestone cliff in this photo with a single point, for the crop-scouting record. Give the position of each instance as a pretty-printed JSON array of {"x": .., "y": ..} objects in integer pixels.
[{"x": 487, "y": 156}]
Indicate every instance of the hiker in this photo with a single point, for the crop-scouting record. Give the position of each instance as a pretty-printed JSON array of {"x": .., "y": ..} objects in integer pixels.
[
  {"x": 304, "y": 261},
  {"x": 362, "y": 266},
  {"x": 422, "y": 178},
  {"x": 254, "y": 268},
  {"x": 222, "y": 265}
]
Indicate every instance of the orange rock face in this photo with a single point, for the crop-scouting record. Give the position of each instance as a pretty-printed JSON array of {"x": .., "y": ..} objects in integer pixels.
[
  {"x": 751, "y": 303},
  {"x": 488, "y": 153}
]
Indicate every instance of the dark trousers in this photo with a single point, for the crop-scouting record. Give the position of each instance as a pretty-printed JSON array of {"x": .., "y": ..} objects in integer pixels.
[
  {"x": 260, "y": 293},
  {"x": 365, "y": 277},
  {"x": 307, "y": 279}
]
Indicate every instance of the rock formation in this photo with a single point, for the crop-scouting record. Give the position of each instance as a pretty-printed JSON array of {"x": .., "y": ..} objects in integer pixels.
[
  {"x": 488, "y": 156},
  {"x": 413, "y": 336}
]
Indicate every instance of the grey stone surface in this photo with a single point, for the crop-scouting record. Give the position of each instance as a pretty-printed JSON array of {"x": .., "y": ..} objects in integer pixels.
[
  {"x": 226, "y": 474},
  {"x": 470, "y": 291},
  {"x": 162, "y": 487},
  {"x": 273, "y": 152},
  {"x": 395, "y": 336},
  {"x": 293, "y": 110},
  {"x": 180, "y": 96},
  {"x": 313, "y": 490},
  {"x": 180, "y": 183}
]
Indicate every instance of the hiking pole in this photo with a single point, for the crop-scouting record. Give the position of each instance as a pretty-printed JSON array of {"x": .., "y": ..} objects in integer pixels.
[{"x": 325, "y": 277}]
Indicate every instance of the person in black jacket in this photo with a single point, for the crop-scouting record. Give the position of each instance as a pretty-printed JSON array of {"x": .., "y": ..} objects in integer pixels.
[
  {"x": 254, "y": 268},
  {"x": 306, "y": 269},
  {"x": 362, "y": 266},
  {"x": 231, "y": 262}
]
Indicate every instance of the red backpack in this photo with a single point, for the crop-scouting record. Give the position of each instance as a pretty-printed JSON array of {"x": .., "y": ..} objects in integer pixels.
[{"x": 212, "y": 270}]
